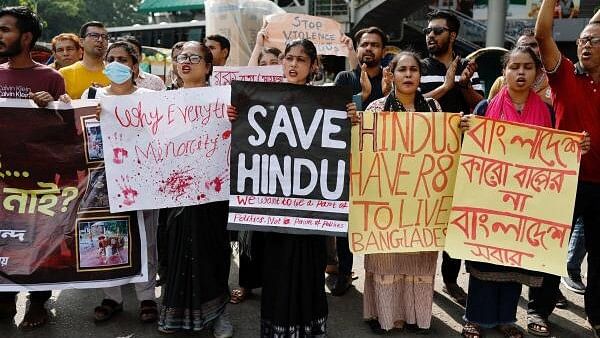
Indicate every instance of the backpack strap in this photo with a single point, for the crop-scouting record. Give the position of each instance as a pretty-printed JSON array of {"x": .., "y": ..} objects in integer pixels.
[{"x": 92, "y": 92}]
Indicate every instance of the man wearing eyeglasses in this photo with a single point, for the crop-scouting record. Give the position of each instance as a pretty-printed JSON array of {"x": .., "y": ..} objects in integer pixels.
[
  {"x": 576, "y": 100},
  {"x": 454, "y": 83},
  {"x": 82, "y": 74}
]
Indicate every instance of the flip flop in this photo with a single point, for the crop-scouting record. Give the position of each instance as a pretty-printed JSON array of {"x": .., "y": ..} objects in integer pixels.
[
  {"x": 238, "y": 295},
  {"x": 148, "y": 311},
  {"x": 106, "y": 310},
  {"x": 537, "y": 326},
  {"x": 36, "y": 316},
  {"x": 471, "y": 330}
]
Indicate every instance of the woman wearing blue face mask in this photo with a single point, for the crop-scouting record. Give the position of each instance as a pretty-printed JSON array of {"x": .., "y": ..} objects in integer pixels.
[
  {"x": 121, "y": 61},
  {"x": 121, "y": 58}
]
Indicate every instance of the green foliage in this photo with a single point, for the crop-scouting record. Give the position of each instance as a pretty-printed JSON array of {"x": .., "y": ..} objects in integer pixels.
[{"x": 62, "y": 16}]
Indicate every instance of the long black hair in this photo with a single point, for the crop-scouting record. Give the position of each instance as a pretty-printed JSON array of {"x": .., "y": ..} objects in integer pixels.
[
  {"x": 128, "y": 47},
  {"x": 206, "y": 54},
  {"x": 310, "y": 50},
  {"x": 522, "y": 49}
]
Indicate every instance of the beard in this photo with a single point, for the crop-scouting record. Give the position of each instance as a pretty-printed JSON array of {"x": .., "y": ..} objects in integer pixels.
[
  {"x": 440, "y": 48},
  {"x": 11, "y": 50},
  {"x": 371, "y": 62}
]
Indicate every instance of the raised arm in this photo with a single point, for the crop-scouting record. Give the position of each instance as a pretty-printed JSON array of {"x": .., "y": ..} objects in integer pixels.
[
  {"x": 258, "y": 47},
  {"x": 596, "y": 17},
  {"x": 543, "y": 34}
]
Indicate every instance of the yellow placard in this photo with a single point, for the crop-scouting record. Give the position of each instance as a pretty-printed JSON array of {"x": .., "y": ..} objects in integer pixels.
[
  {"x": 402, "y": 172},
  {"x": 514, "y": 196}
]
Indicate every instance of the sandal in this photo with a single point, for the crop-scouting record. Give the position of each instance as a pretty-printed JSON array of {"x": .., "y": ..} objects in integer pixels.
[
  {"x": 537, "y": 326},
  {"x": 148, "y": 311},
  {"x": 36, "y": 316},
  {"x": 166, "y": 330},
  {"x": 239, "y": 295},
  {"x": 106, "y": 310},
  {"x": 510, "y": 331},
  {"x": 471, "y": 330}
]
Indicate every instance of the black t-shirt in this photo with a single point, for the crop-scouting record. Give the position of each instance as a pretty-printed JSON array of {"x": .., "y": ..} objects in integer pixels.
[
  {"x": 352, "y": 78},
  {"x": 434, "y": 73}
]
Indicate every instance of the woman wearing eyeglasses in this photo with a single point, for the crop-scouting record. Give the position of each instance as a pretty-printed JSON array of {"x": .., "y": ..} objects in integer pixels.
[{"x": 196, "y": 288}]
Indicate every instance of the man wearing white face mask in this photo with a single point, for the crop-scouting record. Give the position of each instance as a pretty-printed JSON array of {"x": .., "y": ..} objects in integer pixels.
[
  {"x": 88, "y": 71},
  {"x": 121, "y": 59}
]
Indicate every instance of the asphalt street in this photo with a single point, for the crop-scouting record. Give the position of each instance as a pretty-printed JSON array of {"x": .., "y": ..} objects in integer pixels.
[{"x": 72, "y": 315}]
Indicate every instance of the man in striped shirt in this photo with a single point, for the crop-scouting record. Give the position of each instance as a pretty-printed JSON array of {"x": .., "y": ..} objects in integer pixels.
[{"x": 454, "y": 83}]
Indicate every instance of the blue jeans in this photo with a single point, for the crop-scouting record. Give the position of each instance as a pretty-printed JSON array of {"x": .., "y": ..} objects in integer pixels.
[{"x": 577, "y": 251}]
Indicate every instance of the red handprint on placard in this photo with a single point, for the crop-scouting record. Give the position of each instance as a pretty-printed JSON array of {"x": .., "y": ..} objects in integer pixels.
[
  {"x": 127, "y": 192},
  {"x": 119, "y": 152}
]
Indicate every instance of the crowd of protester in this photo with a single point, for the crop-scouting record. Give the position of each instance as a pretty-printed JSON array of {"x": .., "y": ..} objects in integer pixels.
[{"x": 190, "y": 247}]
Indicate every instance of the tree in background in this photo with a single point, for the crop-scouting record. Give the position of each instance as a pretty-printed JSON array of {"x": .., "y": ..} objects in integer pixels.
[{"x": 61, "y": 16}]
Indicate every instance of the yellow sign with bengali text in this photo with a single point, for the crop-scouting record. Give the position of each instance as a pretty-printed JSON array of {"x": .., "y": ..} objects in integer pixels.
[
  {"x": 514, "y": 197},
  {"x": 402, "y": 172}
]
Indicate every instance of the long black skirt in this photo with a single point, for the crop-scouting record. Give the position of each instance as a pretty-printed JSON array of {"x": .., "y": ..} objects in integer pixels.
[
  {"x": 293, "y": 302},
  {"x": 251, "y": 265},
  {"x": 199, "y": 256}
]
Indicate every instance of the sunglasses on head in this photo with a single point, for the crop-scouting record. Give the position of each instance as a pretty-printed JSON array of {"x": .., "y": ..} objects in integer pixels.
[{"x": 436, "y": 30}]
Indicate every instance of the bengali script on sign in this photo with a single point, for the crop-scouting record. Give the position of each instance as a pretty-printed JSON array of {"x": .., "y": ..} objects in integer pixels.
[
  {"x": 514, "y": 197},
  {"x": 402, "y": 172}
]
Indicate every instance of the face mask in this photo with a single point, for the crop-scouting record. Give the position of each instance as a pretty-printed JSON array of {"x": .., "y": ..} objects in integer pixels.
[{"x": 117, "y": 72}]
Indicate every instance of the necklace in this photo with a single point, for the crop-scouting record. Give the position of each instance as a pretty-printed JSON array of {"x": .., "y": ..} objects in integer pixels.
[{"x": 519, "y": 106}]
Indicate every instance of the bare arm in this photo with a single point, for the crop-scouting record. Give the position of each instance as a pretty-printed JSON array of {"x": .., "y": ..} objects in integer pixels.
[
  {"x": 258, "y": 47},
  {"x": 543, "y": 34},
  {"x": 352, "y": 57},
  {"x": 596, "y": 17},
  {"x": 466, "y": 87},
  {"x": 448, "y": 82}
]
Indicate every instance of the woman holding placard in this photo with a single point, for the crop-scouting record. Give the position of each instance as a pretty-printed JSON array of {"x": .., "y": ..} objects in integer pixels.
[
  {"x": 122, "y": 63},
  {"x": 293, "y": 302},
  {"x": 196, "y": 289},
  {"x": 399, "y": 286},
  {"x": 251, "y": 243},
  {"x": 494, "y": 290}
]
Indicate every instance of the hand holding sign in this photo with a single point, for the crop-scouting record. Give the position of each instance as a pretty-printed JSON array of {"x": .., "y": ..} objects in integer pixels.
[{"x": 324, "y": 33}]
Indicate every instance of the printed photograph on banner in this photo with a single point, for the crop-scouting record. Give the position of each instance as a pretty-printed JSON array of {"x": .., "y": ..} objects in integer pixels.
[
  {"x": 56, "y": 189},
  {"x": 96, "y": 193},
  {"x": 289, "y": 159},
  {"x": 514, "y": 197},
  {"x": 402, "y": 172},
  {"x": 103, "y": 243},
  {"x": 92, "y": 139},
  {"x": 167, "y": 149}
]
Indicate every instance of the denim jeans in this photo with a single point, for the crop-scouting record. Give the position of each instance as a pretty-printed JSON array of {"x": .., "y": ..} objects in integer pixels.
[
  {"x": 542, "y": 300},
  {"x": 577, "y": 251}
]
